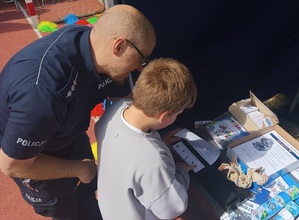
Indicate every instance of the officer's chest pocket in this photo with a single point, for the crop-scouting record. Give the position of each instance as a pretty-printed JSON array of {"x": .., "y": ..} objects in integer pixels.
[
  {"x": 71, "y": 87},
  {"x": 76, "y": 96}
]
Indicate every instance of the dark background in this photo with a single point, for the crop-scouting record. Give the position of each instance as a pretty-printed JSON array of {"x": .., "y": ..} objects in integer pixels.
[{"x": 230, "y": 46}]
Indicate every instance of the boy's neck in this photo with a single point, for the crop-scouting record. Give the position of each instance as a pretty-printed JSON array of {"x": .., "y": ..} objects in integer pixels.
[{"x": 137, "y": 118}]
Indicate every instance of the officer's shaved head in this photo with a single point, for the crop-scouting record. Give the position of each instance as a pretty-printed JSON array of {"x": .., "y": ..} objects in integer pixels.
[{"x": 124, "y": 20}]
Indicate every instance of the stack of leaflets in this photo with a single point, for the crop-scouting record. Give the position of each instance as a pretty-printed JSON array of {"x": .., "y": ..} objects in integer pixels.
[
  {"x": 274, "y": 205},
  {"x": 290, "y": 211},
  {"x": 254, "y": 114},
  {"x": 277, "y": 200}
]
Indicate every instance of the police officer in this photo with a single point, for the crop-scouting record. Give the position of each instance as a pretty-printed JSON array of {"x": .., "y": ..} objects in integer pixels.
[{"x": 47, "y": 91}]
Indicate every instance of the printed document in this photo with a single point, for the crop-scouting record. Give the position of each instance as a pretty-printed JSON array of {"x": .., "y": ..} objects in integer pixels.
[
  {"x": 204, "y": 148},
  {"x": 269, "y": 151}
]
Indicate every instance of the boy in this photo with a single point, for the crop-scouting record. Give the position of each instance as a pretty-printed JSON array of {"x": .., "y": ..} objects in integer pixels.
[{"x": 137, "y": 176}]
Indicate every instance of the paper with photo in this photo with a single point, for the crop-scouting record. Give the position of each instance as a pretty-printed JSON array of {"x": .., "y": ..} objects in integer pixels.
[{"x": 269, "y": 151}]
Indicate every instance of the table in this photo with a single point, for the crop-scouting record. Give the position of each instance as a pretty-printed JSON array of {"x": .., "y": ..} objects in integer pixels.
[{"x": 202, "y": 204}]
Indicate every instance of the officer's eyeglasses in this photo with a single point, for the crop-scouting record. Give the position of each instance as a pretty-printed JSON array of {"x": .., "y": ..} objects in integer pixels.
[{"x": 145, "y": 60}]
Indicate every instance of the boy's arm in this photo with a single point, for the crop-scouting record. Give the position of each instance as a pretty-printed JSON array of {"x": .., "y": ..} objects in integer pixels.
[
  {"x": 174, "y": 200},
  {"x": 172, "y": 203}
]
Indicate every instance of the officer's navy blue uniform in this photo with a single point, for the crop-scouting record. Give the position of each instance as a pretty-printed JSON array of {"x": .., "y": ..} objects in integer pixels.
[{"x": 48, "y": 90}]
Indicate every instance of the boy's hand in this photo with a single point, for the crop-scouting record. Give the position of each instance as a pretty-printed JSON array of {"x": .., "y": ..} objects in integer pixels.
[
  {"x": 185, "y": 166},
  {"x": 169, "y": 137}
]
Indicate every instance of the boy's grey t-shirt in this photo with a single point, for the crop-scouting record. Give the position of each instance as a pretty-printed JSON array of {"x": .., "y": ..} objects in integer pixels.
[{"x": 137, "y": 177}]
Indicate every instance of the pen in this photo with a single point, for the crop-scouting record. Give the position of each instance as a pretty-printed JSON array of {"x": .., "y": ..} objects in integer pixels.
[{"x": 78, "y": 183}]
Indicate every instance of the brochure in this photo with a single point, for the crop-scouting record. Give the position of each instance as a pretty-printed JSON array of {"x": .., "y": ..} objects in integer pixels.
[{"x": 225, "y": 129}]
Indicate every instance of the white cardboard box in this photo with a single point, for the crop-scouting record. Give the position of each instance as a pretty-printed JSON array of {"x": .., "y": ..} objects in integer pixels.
[
  {"x": 256, "y": 132},
  {"x": 268, "y": 120}
]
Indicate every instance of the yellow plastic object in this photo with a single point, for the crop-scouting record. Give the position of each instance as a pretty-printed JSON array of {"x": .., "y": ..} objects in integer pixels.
[{"x": 94, "y": 148}]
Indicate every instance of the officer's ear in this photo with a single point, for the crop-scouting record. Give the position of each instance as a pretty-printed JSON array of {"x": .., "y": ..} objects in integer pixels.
[{"x": 119, "y": 46}]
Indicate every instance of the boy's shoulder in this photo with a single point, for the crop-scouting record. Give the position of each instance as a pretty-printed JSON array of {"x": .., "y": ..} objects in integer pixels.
[{"x": 122, "y": 102}]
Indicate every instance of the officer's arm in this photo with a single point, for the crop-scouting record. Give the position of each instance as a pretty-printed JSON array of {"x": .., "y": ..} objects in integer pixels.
[{"x": 45, "y": 167}]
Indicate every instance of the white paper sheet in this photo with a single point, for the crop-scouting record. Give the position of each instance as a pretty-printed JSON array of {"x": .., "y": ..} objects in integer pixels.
[
  {"x": 209, "y": 152},
  {"x": 188, "y": 156}
]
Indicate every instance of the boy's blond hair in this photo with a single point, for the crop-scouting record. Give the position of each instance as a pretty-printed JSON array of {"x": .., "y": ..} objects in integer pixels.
[{"x": 165, "y": 84}]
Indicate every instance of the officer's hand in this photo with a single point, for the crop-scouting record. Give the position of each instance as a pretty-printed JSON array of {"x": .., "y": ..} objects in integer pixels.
[{"x": 88, "y": 171}]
